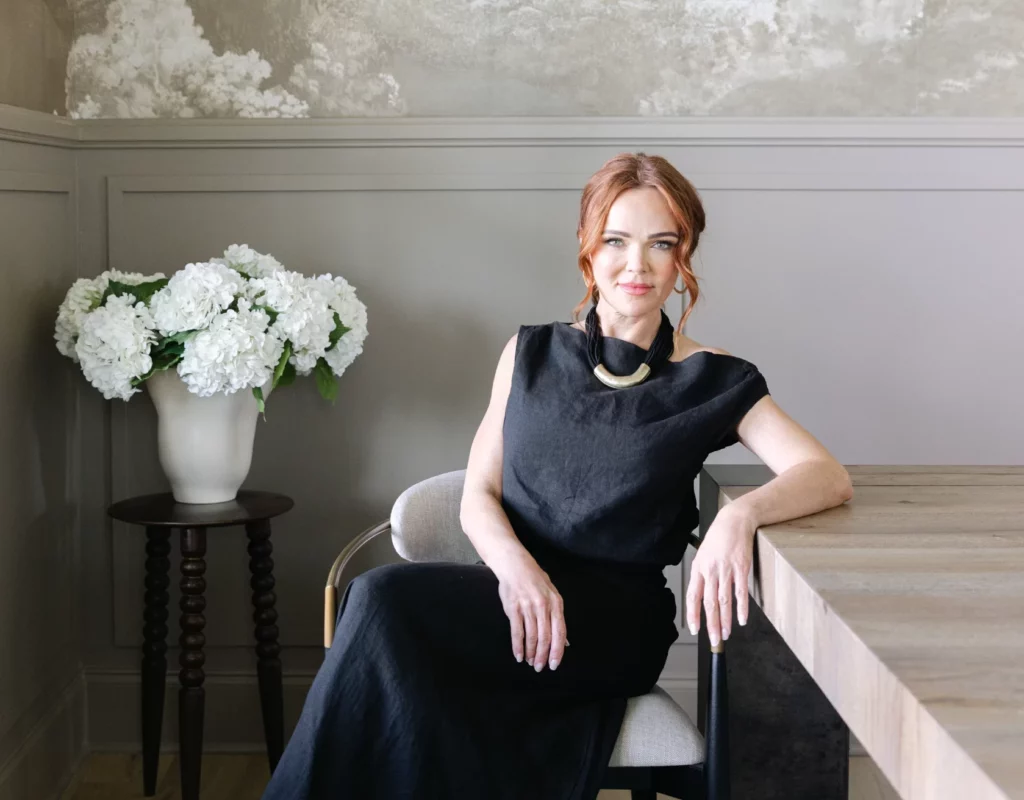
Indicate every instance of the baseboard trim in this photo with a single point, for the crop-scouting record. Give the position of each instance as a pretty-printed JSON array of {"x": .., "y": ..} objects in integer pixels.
[
  {"x": 52, "y": 748},
  {"x": 233, "y": 723}
]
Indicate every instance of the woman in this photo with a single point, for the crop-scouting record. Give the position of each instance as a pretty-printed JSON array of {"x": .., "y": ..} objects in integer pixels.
[{"x": 508, "y": 678}]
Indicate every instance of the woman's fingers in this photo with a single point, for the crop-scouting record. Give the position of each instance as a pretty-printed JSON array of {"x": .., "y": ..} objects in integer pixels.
[
  {"x": 742, "y": 599},
  {"x": 711, "y": 608},
  {"x": 515, "y": 619},
  {"x": 543, "y": 636},
  {"x": 725, "y": 590},
  {"x": 694, "y": 592},
  {"x": 530, "y": 623},
  {"x": 557, "y": 636}
]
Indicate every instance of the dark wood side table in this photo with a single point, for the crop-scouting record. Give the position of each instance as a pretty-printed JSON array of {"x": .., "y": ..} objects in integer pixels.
[{"x": 159, "y": 513}]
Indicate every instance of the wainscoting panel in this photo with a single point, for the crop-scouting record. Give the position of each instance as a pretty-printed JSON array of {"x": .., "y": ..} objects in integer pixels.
[{"x": 868, "y": 275}]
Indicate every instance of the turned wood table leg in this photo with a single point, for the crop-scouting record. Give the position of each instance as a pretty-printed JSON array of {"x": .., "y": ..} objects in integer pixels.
[
  {"x": 154, "y": 651},
  {"x": 268, "y": 651},
  {"x": 191, "y": 698}
]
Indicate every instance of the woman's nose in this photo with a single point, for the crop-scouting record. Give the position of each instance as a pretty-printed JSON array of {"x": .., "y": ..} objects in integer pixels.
[{"x": 636, "y": 258}]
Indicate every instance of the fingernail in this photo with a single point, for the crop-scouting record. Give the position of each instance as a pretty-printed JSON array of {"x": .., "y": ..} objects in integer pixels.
[
  {"x": 693, "y": 629},
  {"x": 743, "y": 620},
  {"x": 553, "y": 663},
  {"x": 519, "y": 659},
  {"x": 539, "y": 665},
  {"x": 567, "y": 642},
  {"x": 714, "y": 640},
  {"x": 725, "y": 634}
]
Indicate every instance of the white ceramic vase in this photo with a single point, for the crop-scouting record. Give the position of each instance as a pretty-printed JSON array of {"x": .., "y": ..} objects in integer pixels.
[{"x": 204, "y": 443}]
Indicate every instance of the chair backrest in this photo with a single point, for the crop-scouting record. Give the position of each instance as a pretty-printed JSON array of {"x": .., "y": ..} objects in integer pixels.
[{"x": 425, "y": 522}]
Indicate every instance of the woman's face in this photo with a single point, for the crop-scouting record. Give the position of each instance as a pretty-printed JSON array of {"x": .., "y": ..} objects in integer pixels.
[{"x": 634, "y": 265}]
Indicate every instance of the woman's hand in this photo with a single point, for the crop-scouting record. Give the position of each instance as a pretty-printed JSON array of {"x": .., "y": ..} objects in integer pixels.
[
  {"x": 719, "y": 572},
  {"x": 534, "y": 609}
]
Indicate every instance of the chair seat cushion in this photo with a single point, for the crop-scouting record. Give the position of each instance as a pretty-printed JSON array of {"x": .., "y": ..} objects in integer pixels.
[{"x": 656, "y": 732}]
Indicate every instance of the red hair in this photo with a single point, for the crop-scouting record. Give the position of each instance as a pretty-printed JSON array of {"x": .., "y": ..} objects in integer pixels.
[{"x": 631, "y": 171}]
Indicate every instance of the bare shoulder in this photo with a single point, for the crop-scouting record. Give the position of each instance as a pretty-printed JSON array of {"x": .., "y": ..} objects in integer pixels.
[
  {"x": 686, "y": 347},
  {"x": 506, "y": 361}
]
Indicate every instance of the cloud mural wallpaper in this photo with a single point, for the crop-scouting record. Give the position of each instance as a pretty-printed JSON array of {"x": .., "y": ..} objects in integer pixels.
[{"x": 372, "y": 58}]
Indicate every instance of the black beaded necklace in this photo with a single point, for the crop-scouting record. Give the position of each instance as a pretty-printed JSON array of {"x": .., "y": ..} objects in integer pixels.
[{"x": 661, "y": 348}]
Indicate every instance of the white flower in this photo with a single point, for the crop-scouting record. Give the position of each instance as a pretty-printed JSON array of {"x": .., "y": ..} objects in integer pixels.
[
  {"x": 84, "y": 296},
  {"x": 235, "y": 352},
  {"x": 243, "y": 258},
  {"x": 194, "y": 296},
  {"x": 342, "y": 75},
  {"x": 304, "y": 315},
  {"x": 353, "y": 315},
  {"x": 240, "y": 312},
  {"x": 113, "y": 345}
]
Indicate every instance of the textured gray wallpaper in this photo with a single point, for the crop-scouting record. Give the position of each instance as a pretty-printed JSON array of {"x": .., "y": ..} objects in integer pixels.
[
  {"x": 337, "y": 58},
  {"x": 34, "y": 39}
]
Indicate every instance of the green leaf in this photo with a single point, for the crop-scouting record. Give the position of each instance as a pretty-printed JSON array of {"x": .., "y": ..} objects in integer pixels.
[
  {"x": 339, "y": 331},
  {"x": 288, "y": 375},
  {"x": 271, "y": 314},
  {"x": 281, "y": 364},
  {"x": 257, "y": 392},
  {"x": 142, "y": 291},
  {"x": 325, "y": 380},
  {"x": 165, "y": 355},
  {"x": 179, "y": 338}
]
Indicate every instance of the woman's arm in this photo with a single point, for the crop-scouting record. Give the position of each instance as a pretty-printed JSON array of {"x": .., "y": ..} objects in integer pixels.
[
  {"x": 481, "y": 514},
  {"x": 532, "y": 603},
  {"x": 808, "y": 479}
]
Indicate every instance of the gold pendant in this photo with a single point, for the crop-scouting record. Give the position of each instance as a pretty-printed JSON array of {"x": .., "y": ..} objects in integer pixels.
[{"x": 621, "y": 381}]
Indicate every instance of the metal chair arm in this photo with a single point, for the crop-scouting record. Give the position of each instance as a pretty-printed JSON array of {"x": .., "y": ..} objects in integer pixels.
[{"x": 337, "y": 568}]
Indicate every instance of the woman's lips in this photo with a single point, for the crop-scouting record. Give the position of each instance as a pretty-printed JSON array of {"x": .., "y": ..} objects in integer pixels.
[{"x": 635, "y": 288}]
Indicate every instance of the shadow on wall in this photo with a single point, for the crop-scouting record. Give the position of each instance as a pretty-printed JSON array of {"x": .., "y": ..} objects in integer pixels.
[{"x": 38, "y": 546}]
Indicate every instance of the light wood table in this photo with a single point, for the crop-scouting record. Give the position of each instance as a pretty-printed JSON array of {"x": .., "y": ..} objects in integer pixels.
[{"x": 904, "y": 610}]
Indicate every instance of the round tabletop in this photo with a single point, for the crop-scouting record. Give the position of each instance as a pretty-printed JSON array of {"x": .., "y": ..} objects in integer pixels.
[{"x": 162, "y": 510}]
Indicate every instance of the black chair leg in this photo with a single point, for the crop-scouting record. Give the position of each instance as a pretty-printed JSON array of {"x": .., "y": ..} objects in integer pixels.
[{"x": 716, "y": 754}]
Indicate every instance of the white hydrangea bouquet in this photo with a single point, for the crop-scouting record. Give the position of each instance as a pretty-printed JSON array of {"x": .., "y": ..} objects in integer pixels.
[{"x": 228, "y": 324}]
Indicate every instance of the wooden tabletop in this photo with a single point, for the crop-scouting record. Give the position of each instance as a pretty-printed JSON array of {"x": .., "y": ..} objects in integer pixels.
[{"x": 906, "y": 606}]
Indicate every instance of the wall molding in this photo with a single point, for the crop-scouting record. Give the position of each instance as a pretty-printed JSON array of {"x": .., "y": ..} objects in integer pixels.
[
  {"x": 36, "y": 127},
  {"x": 240, "y": 731},
  {"x": 18, "y": 124},
  {"x": 552, "y": 131},
  {"x": 122, "y": 191}
]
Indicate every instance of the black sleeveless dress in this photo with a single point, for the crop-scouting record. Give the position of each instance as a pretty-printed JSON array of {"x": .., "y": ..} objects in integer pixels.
[{"x": 420, "y": 696}]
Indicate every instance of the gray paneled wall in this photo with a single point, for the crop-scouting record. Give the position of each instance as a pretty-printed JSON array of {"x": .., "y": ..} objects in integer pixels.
[
  {"x": 41, "y": 690},
  {"x": 875, "y": 282}
]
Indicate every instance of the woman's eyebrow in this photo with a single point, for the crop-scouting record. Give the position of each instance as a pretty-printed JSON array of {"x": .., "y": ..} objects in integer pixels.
[{"x": 653, "y": 235}]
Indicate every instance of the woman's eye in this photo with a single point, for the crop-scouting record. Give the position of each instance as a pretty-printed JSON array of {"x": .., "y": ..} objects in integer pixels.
[{"x": 668, "y": 245}]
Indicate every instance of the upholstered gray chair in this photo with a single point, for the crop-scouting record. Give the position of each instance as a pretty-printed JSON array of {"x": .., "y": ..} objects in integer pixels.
[{"x": 659, "y": 748}]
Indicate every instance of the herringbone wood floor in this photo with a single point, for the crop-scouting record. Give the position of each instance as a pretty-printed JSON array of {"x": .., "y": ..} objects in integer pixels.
[{"x": 106, "y": 776}]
